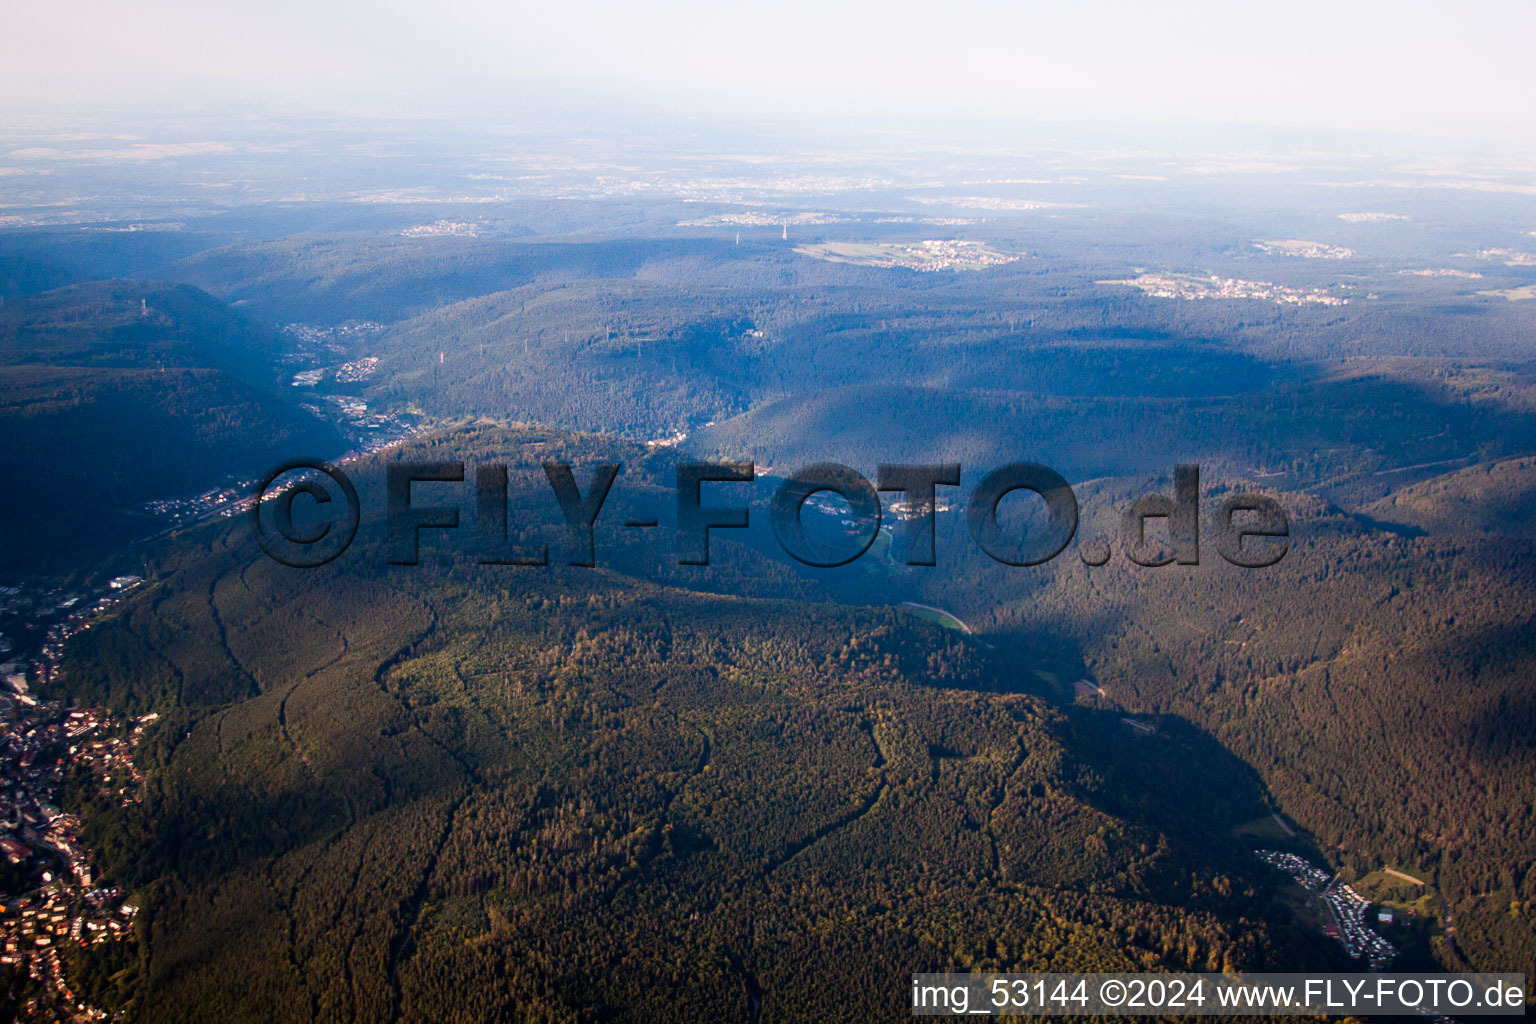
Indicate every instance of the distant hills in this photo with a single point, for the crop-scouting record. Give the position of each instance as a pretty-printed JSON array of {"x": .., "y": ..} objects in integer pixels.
[
  {"x": 332, "y": 278},
  {"x": 136, "y": 324}
]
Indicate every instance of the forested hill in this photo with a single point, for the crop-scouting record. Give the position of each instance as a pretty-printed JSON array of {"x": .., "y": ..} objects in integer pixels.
[
  {"x": 136, "y": 324},
  {"x": 117, "y": 393},
  {"x": 465, "y": 792},
  {"x": 1378, "y": 678}
]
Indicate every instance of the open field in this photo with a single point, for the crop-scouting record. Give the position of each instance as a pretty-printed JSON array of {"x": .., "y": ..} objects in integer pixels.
[
  {"x": 1527, "y": 291},
  {"x": 936, "y": 615},
  {"x": 1270, "y": 826}
]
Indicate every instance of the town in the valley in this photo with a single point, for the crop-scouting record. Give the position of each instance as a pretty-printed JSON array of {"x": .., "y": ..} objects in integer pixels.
[{"x": 50, "y": 897}]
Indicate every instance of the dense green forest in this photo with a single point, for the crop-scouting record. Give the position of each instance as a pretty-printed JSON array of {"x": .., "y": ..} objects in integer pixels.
[
  {"x": 1378, "y": 682},
  {"x": 752, "y": 791},
  {"x": 454, "y": 793}
]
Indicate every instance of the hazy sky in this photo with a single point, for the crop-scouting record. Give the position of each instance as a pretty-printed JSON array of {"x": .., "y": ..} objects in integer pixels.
[{"x": 1453, "y": 69}]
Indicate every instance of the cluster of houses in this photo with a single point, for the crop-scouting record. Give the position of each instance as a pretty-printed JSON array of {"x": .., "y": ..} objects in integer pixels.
[
  {"x": 370, "y": 432},
  {"x": 37, "y": 926},
  {"x": 1192, "y": 288},
  {"x": 350, "y": 372},
  {"x": 947, "y": 254},
  {"x": 1303, "y": 249},
  {"x": 195, "y": 507},
  {"x": 51, "y": 899},
  {"x": 312, "y": 340},
  {"x": 57, "y": 615},
  {"x": 906, "y": 511},
  {"x": 77, "y": 615},
  {"x": 357, "y": 370}
]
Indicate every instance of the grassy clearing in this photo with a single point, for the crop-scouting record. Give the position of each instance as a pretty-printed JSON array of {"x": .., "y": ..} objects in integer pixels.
[
  {"x": 1520, "y": 294},
  {"x": 1266, "y": 827},
  {"x": 936, "y": 615}
]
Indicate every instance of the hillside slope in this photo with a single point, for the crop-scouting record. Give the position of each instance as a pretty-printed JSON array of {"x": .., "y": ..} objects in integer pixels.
[
  {"x": 117, "y": 393},
  {"x": 1496, "y": 497},
  {"x": 459, "y": 793}
]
